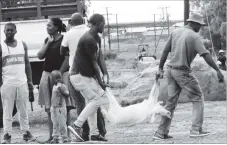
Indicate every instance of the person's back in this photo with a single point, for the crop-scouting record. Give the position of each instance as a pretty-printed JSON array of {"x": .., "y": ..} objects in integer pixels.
[
  {"x": 185, "y": 45},
  {"x": 71, "y": 39}
]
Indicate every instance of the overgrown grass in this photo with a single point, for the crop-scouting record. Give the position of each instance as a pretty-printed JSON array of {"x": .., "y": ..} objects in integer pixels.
[{"x": 110, "y": 55}]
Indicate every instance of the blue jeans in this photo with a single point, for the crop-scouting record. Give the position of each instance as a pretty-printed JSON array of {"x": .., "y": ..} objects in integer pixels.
[{"x": 177, "y": 80}]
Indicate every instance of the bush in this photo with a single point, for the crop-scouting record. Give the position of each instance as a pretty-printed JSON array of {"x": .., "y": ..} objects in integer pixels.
[{"x": 110, "y": 55}]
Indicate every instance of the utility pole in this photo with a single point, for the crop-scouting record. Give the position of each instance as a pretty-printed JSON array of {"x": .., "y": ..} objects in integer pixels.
[
  {"x": 1, "y": 12},
  {"x": 154, "y": 33},
  {"x": 108, "y": 28},
  {"x": 118, "y": 46},
  {"x": 167, "y": 19},
  {"x": 186, "y": 10}
]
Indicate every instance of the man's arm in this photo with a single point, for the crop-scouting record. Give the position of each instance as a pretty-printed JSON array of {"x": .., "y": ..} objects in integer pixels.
[
  {"x": 91, "y": 48},
  {"x": 64, "y": 50},
  {"x": 65, "y": 65},
  {"x": 165, "y": 53},
  {"x": 209, "y": 60},
  {"x": 28, "y": 69},
  {"x": 0, "y": 65},
  {"x": 102, "y": 63}
]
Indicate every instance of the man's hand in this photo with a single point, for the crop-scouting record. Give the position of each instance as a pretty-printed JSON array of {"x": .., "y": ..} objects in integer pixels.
[
  {"x": 220, "y": 76},
  {"x": 160, "y": 74},
  {"x": 31, "y": 96},
  {"x": 105, "y": 78}
]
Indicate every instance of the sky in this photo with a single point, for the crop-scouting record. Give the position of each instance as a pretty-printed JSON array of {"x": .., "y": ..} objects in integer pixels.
[{"x": 137, "y": 11}]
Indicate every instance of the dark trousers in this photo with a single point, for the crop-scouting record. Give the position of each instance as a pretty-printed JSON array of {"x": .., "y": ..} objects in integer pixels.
[{"x": 80, "y": 104}]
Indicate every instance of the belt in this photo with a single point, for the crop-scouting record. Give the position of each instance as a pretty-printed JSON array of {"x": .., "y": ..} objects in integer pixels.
[{"x": 180, "y": 68}]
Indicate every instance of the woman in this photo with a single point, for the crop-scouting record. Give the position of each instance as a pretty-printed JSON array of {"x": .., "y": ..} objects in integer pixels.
[{"x": 53, "y": 61}]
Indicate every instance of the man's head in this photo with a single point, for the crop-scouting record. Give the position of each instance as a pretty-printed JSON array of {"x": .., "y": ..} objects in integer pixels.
[
  {"x": 10, "y": 30},
  {"x": 97, "y": 21},
  {"x": 56, "y": 76},
  {"x": 196, "y": 21},
  {"x": 221, "y": 52},
  {"x": 76, "y": 19}
]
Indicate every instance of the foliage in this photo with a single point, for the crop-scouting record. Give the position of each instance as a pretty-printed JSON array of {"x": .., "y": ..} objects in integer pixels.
[
  {"x": 110, "y": 55},
  {"x": 215, "y": 14}
]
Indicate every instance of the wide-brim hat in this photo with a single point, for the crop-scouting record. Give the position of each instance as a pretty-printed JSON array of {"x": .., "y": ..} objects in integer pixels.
[
  {"x": 221, "y": 51},
  {"x": 196, "y": 17}
]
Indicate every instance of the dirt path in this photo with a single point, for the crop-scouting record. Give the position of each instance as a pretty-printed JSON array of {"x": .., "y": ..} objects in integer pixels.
[{"x": 215, "y": 121}]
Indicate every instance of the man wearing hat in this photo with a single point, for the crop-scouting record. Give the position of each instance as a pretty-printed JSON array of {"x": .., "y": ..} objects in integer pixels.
[
  {"x": 184, "y": 44},
  {"x": 69, "y": 46},
  {"x": 222, "y": 60}
]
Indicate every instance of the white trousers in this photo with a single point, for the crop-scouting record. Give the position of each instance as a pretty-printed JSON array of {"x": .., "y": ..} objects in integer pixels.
[
  {"x": 94, "y": 96},
  {"x": 10, "y": 95}
]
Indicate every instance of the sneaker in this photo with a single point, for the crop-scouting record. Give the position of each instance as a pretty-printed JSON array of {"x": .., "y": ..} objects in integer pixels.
[
  {"x": 28, "y": 136},
  {"x": 98, "y": 138},
  {"x": 76, "y": 131},
  {"x": 199, "y": 133},
  {"x": 85, "y": 137},
  {"x": 6, "y": 139},
  {"x": 54, "y": 141},
  {"x": 158, "y": 136}
]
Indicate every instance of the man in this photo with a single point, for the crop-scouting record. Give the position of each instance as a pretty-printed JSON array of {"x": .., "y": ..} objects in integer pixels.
[
  {"x": 184, "y": 44},
  {"x": 16, "y": 79},
  {"x": 85, "y": 75},
  {"x": 69, "y": 46},
  {"x": 222, "y": 60}
]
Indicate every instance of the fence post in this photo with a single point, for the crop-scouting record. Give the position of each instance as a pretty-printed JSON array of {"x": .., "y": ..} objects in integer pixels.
[
  {"x": 39, "y": 9},
  {"x": 0, "y": 12}
]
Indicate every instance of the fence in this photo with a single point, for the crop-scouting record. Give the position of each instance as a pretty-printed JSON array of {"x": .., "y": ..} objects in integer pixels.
[{"x": 25, "y": 3}]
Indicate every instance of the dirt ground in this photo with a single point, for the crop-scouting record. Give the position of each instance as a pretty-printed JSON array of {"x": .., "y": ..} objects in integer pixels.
[{"x": 123, "y": 69}]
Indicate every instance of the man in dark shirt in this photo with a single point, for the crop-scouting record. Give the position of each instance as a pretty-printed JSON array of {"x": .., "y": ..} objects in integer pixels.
[
  {"x": 222, "y": 60},
  {"x": 85, "y": 75}
]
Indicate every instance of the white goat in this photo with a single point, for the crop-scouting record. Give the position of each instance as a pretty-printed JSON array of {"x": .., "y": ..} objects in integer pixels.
[{"x": 136, "y": 113}]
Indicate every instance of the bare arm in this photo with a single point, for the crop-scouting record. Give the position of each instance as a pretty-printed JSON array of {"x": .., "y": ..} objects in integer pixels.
[
  {"x": 65, "y": 65},
  {"x": 64, "y": 50},
  {"x": 42, "y": 53},
  {"x": 28, "y": 69},
  {"x": 65, "y": 92},
  {"x": 165, "y": 53},
  {"x": 102, "y": 63},
  {"x": 209, "y": 60},
  {"x": 0, "y": 65}
]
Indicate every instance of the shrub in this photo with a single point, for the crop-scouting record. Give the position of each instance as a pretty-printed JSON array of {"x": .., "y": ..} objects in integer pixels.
[{"x": 110, "y": 55}]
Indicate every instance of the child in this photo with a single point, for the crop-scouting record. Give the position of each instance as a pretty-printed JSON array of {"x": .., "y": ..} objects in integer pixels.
[{"x": 58, "y": 108}]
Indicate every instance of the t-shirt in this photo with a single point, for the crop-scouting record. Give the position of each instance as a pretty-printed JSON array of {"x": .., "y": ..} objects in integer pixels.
[
  {"x": 58, "y": 99},
  {"x": 185, "y": 45},
  {"x": 87, "y": 47},
  {"x": 71, "y": 39},
  {"x": 53, "y": 59}
]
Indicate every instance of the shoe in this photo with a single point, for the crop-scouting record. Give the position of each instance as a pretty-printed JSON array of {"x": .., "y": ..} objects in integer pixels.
[
  {"x": 158, "y": 136},
  {"x": 54, "y": 141},
  {"x": 28, "y": 136},
  {"x": 6, "y": 139},
  {"x": 199, "y": 133},
  {"x": 85, "y": 137},
  {"x": 98, "y": 138},
  {"x": 76, "y": 131}
]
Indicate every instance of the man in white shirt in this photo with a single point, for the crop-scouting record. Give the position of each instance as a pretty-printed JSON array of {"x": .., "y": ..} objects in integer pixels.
[{"x": 68, "y": 48}]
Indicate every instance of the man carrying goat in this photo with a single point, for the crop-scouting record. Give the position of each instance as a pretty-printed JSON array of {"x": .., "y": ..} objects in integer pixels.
[{"x": 184, "y": 44}]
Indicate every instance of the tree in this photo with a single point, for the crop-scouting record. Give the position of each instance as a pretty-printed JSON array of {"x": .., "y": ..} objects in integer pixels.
[{"x": 215, "y": 14}]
